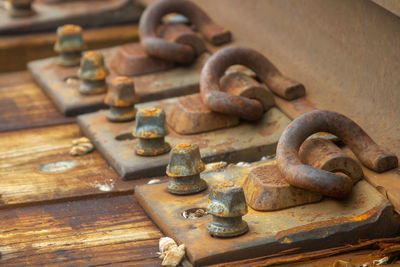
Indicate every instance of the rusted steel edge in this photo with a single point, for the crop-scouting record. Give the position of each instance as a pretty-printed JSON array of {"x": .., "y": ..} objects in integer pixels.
[
  {"x": 171, "y": 51},
  {"x": 243, "y": 107},
  {"x": 279, "y": 258},
  {"x": 330, "y": 184}
]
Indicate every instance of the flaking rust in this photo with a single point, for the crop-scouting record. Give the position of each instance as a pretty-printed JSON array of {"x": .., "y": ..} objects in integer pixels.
[{"x": 365, "y": 214}]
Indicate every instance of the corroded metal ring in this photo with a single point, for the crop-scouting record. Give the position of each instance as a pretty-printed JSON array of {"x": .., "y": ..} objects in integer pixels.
[
  {"x": 327, "y": 183},
  {"x": 243, "y": 107},
  {"x": 171, "y": 51}
]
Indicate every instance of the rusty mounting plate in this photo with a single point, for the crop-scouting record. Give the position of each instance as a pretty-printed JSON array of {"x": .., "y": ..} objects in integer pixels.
[
  {"x": 86, "y": 13},
  {"x": 365, "y": 214},
  {"x": 245, "y": 142},
  {"x": 61, "y": 84}
]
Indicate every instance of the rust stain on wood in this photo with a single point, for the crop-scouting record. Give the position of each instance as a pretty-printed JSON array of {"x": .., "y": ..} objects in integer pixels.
[
  {"x": 23, "y": 105},
  {"x": 100, "y": 231}
]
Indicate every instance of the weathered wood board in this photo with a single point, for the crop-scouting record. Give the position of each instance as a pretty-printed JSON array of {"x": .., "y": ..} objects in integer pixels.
[
  {"x": 102, "y": 231},
  {"x": 24, "y": 105},
  {"x": 35, "y": 166}
]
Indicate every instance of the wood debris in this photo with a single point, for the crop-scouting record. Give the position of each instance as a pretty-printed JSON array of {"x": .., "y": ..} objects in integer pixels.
[
  {"x": 81, "y": 146},
  {"x": 171, "y": 253}
]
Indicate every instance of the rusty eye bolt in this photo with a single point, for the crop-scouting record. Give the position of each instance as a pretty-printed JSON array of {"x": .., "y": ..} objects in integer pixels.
[
  {"x": 172, "y": 51},
  {"x": 327, "y": 183},
  {"x": 243, "y": 107}
]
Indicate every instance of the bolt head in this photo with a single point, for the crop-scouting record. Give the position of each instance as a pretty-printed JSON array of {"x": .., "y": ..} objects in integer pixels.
[
  {"x": 121, "y": 93},
  {"x": 185, "y": 160},
  {"x": 150, "y": 123},
  {"x": 227, "y": 200},
  {"x": 69, "y": 39},
  {"x": 92, "y": 67}
]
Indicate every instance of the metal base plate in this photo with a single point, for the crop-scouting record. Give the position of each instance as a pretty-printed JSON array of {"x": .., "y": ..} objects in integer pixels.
[
  {"x": 93, "y": 13},
  {"x": 61, "y": 84},
  {"x": 245, "y": 142},
  {"x": 365, "y": 214}
]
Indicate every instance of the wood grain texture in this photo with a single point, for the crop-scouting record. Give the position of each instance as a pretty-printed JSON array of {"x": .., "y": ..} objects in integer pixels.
[
  {"x": 17, "y": 51},
  {"x": 24, "y": 105},
  {"x": 100, "y": 231},
  {"x": 35, "y": 166}
]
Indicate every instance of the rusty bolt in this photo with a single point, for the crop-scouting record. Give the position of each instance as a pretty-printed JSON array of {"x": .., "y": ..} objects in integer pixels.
[
  {"x": 121, "y": 98},
  {"x": 185, "y": 166},
  {"x": 69, "y": 44},
  {"x": 227, "y": 205},
  {"x": 151, "y": 130},
  {"x": 93, "y": 74},
  {"x": 19, "y": 8}
]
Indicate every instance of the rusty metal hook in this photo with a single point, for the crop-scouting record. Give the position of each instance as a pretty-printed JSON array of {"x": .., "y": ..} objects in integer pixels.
[
  {"x": 245, "y": 108},
  {"x": 171, "y": 51},
  {"x": 327, "y": 183}
]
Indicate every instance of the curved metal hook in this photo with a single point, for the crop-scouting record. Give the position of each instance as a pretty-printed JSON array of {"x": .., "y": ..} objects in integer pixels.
[
  {"x": 171, "y": 51},
  {"x": 245, "y": 108},
  {"x": 327, "y": 183}
]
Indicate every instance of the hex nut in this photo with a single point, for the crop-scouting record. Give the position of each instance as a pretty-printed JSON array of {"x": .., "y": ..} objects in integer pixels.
[
  {"x": 150, "y": 123},
  {"x": 69, "y": 39},
  {"x": 92, "y": 67},
  {"x": 185, "y": 166},
  {"x": 185, "y": 160},
  {"x": 151, "y": 129},
  {"x": 121, "y": 98},
  {"x": 121, "y": 93},
  {"x": 227, "y": 205},
  {"x": 227, "y": 200},
  {"x": 92, "y": 73},
  {"x": 69, "y": 44}
]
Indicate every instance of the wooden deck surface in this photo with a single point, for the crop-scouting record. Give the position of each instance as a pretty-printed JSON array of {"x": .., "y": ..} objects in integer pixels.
[{"x": 59, "y": 210}]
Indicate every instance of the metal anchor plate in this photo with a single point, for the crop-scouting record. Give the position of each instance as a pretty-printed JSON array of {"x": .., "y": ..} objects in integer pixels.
[
  {"x": 61, "y": 84},
  {"x": 48, "y": 16},
  {"x": 365, "y": 214},
  {"x": 245, "y": 142}
]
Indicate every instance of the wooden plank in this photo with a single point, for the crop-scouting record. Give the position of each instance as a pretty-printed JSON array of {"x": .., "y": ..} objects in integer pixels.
[
  {"x": 13, "y": 78},
  {"x": 35, "y": 166},
  {"x": 97, "y": 232},
  {"x": 24, "y": 105},
  {"x": 17, "y": 51}
]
